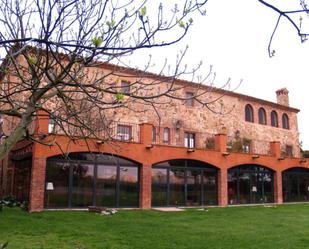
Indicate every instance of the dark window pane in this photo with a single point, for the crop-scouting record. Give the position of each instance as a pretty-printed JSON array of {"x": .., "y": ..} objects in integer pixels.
[
  {"x": 249, "y": 113},
  {"x": 106, "y": 186},
  {"x": 244, "y": 188},
  {"x": 210, "y": 188},
  {"x": 57, "y": 174},
  {"x": 274, "y": 119},
  {"x": 295, "y": 185},
  {"x": 194, "y": 187},
  {"x": 177, "y": 187},
  {"x": 125, "y": 87},
  {"x": 82, "y": 191},
  {"x": 189, "y": 99},
  {"x": 262, "y": 116},
  {"x": 159, "y": 187},
  {"x": 250, "y": 184},
  {"x": 285, "y": 121},
  {"x": 232, "y": 187},
  {"x": 129, "y": 187}
]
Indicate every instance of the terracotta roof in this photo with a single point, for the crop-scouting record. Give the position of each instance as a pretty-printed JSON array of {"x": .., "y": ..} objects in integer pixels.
[{"x": 133, "y": 72}]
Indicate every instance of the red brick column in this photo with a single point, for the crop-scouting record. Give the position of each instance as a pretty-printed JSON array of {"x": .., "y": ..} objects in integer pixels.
[
  {"x": 278, "y": 187},
  {"x": 222, "y": 187},
  {"x": 220, "y": 142},
  {"x": 37, "y": 185},
  {"x": 275, "y": 149},
  {"x": 146, "y": 134},
  {"x": 42, "y": 122},
  {"x": 145, "y": 187}
]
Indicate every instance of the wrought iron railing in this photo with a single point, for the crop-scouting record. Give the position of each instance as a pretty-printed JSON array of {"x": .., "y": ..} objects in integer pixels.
[
  {"x": 183, "y": 138},
  {"x": 249, "y": 146},
  {"x": 113, "y": 131}
]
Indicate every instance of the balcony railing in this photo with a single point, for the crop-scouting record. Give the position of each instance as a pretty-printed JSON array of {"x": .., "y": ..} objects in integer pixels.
[
  {"x": 250, "y": 146},
  {"x": 114, "y": 131},
  {"x": 183, "y": 138}
]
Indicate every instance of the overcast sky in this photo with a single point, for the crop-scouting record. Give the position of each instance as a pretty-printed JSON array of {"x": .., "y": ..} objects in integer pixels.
[{"x": 234, "y": 36}]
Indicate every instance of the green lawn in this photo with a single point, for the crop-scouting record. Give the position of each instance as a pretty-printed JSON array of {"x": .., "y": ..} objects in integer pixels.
[{"x": 282, "y": 227}]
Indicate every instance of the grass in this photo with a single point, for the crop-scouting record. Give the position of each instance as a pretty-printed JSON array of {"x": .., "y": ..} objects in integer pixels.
[{"x": 282, "y": 227}]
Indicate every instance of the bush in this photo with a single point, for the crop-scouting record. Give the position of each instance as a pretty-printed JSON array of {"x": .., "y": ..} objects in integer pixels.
[{"x": 10, "y": 201}]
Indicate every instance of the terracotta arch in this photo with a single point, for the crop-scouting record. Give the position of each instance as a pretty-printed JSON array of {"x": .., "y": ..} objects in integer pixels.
[
  {"x": 96, "y": 153},
  {"x": 188, "y": 159},
  {"x": 264, "y": 165}
]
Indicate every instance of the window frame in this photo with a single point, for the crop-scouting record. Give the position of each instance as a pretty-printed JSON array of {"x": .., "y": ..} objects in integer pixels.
[
  {"x": 249, "y": 113},
  {"x": 285, "y": 121},
  {"x": 125, "y": 87},
  {"x": 189, "y": 99},
  {"x": 166, "y": 135},
  {"x": 262, "y": 116},
  {"x": 189, "y": 140},
  {"x": 274, "y": 119},
  {"x": 122, "y": 135}
]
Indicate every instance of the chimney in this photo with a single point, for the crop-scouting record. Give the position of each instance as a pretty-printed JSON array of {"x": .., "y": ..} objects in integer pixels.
[{"x": 283, "y": 96}]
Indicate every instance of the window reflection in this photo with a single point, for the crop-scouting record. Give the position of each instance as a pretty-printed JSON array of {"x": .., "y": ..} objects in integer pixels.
[
  {"x": 250, "y": 184},
  {"x": 184, "y": 182},
  {"x": 88, "y": 179}
]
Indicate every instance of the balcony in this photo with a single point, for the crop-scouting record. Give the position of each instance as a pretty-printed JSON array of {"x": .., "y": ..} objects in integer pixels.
[
  {"x": 113, "y": 131},
  {"x": 248, "y": 146},
  {"x": 182, "y": 138}
]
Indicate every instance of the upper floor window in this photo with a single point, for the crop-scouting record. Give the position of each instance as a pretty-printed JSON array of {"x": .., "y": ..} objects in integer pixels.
[
  {"x": 125, "y": 87},
  {"x": 289, "y": 150},
  {"x": 262, "y": 116},
  {"x": 189, "y": 99},
  {"x": 285, "y": 121},
  {"x": 51, "y": 125},
  {"x": 166, "y": 135},
  {"x": 189, "y": 140},
  {"x": 249, "y": 113},
  {"x": 124, "y": 132},
  {"x": 274, "y": 119}
]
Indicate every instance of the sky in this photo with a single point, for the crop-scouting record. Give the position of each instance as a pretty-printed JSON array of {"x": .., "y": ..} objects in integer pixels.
[{"x": 233, "y": 37}]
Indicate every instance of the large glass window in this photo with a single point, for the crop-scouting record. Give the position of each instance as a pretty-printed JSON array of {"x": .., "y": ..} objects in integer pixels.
[
  {"x": 83, "y": 180},
  {"x": 250, "y": 184},
  {"x": 128, "y": 186},
  {"x": 184, "y": 182},
  {"x": 159, "y": 186},
  {"x": 57, "y": 184},
  {"x": 106, "y": 185},
  {"x": 295, "y": 184},
  {"x": 87, "y": 179}
]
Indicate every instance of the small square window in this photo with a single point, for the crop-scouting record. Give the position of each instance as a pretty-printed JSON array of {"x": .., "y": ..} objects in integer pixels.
[
  {"x": 125, "y": 87},
  {"x": 189, "y": 99},
  {"x": 124, "y": 132},
  {"x": 189, "y": 140}
]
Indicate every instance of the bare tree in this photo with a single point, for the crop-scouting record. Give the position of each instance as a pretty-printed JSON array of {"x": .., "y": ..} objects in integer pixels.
[
  {"x": 58, "y": 56},
  {"x": 294, "y": 17}
]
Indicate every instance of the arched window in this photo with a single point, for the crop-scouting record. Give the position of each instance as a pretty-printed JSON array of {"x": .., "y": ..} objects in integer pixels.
[
  {"x": 166, "y": 135},
  {"x": 285, "y": 121},
  {"x": 249, "y": 113},
  {"x": 262, "y": 116},
  {"x": 274, "y": 119}
]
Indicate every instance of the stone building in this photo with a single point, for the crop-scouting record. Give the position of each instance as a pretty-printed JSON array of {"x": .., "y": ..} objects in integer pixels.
[{"x": 238, "y": 150}]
